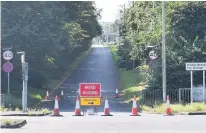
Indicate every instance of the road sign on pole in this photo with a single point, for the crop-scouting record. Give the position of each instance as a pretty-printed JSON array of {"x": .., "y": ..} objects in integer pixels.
[
  {"x": 8, "y": 67},
  {"x": 196, "y": 66},
  {"x": 90, "y": 101},
  {"x": 90, "y": 94},
  {"x": 152, "y": 55},
  {"x": 90, "y": 89},
  {"x": 7, "y": 55}
]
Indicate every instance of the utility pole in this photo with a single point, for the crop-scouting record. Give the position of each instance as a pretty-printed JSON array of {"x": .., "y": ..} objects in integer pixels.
[
  {"x": 24, "y": 79},
  {"x": 163, "y": 53}
]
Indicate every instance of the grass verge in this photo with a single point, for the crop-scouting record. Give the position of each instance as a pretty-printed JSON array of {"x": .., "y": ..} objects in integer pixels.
[
  {"x": 12, "y": 123},
  {"x": 131, "y": 80},
  {"x": 30, "y": 110},
  {"x": 176, "y": 108}
]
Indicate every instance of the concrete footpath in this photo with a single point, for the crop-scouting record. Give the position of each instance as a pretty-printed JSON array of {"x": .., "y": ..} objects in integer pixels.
[{"x": 119, "y": 123}]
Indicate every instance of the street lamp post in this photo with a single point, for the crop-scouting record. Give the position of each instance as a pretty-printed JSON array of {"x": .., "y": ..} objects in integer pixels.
[
  {"x": 163, "y": 53},
  {"x": 24, "y": 79}
]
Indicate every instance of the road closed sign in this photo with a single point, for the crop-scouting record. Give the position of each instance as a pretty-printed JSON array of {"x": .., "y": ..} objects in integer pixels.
[{"x": 90, "y": 89}]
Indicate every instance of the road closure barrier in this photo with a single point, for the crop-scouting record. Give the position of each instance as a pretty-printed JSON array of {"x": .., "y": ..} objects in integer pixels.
[
  {"x": 134, "y": 108},
  {"x": 168, "y": 108},
  {"x": 56, "y": 108},
  {"x": 106, "y": 108},
  {"x": 77, "y": 108}
]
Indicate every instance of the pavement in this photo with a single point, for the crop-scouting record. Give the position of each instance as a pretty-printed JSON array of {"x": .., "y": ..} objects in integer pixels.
[
  {"x": 119, "y": 123},
  {"x": 97, "y": 67}
]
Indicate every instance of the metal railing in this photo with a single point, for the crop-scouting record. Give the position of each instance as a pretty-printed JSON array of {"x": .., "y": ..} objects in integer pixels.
[{"x": 153, "y": 97}]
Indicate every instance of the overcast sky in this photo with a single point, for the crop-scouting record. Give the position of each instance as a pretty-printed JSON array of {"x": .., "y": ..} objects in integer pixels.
[{"x": 110, "y": 9}]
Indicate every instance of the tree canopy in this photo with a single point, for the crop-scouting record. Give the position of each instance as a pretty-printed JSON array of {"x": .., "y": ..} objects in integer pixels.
[
  {"x": 52, "y": 34},
  {"x": 140, "y": 25}
]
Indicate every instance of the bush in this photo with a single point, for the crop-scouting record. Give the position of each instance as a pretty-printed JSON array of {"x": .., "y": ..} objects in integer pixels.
[{"x": 176, "y": 108}]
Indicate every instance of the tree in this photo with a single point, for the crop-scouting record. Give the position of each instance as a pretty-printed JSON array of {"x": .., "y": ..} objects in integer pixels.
[
  {"x": 185, "y": 35},
  {"x": 52, "y": 34}
]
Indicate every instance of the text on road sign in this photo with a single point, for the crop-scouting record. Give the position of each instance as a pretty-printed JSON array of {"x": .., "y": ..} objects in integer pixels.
[
  {"x": 195, "y": 66},
  {"x": 7, "y": 55},
  {"x": 90, "y": 101},
  {"x": 90, "y": 90},
  {"x": 152, "y": 55}
]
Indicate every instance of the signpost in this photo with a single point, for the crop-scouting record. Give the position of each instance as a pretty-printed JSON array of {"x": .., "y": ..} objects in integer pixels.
[
  {"x": 90, "y": 89},
  {"x": 196, "y": 66},
  {"x": 152, "y": 55},
  {"x": 91, "y": 101},
  {"x": 8, "y": 67},
  {"x": 25, "y": 79},
  {"x": 90, "y": 94},
  {"x": 7, "y": 55}
]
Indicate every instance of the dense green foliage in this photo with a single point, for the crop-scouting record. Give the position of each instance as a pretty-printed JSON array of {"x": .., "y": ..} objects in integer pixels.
[
  {"x": 140, "y": 25},
  {"x": 52, "y": 34}
]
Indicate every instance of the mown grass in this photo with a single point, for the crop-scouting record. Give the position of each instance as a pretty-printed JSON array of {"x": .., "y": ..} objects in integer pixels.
[
  {"x": 10, "y": 121},
  {"x": 30, "y": 110},
  {"x": 131, "y": 81},
  {"x": 176, "y": 108}
]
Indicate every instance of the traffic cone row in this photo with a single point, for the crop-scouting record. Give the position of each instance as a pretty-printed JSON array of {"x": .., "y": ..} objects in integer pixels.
[
  {"x": 48, "y": 98},
  {"x": 134, "y": 108},
  {"x": 168, "y": 108},
  {"x": 106, "y": 107},
  {"x": 77, "y": 108},
  {"x": 116, "y": 94},
  {"x": 62, "y": 95},
  {"x": 56, "y": 108}
]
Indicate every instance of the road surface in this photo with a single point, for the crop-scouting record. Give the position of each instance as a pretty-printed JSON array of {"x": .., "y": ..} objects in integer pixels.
[
  {"x": 119, "y": 123},
  {"x": 97, "y": 67}
]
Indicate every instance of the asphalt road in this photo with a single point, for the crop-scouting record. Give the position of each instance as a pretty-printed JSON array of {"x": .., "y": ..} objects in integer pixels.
[
  {"x": 119, "y": 123},
  {"x": 97, "y": 67}
]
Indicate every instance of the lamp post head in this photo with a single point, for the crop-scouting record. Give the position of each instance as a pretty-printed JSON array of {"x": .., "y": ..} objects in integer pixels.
[
  {"x": 22, "y": 56},
  {"x": 22, "y": 52}
]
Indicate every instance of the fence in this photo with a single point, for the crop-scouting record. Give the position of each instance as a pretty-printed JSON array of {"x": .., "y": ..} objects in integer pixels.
[{"x": 153, "y": 97}]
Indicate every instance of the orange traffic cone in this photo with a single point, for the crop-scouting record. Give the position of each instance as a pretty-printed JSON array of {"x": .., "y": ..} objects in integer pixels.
[
  {"x": 168, "y": 109},
  {"x": 47, "y": 96},
  {"x": 134, "y": 108},
  {"x": 62, "y": 95},
  {"x": 117, "y": 94},
  {"x": 106, "y": 108},
  {"x": 56, "y": 107},
  {"x": 77, "y": 108}
]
